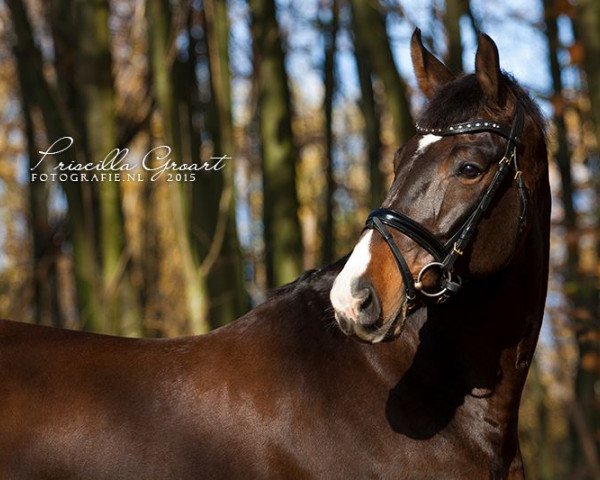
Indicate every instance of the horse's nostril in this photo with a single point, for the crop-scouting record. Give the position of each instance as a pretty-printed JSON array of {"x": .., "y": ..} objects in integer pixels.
[
  {"x": 368, "y": 309},
  {"x": 367, "y": 301}
]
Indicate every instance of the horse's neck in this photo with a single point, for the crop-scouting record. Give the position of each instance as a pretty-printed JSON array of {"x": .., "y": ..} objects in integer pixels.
[{"x": 469, "y": 358}]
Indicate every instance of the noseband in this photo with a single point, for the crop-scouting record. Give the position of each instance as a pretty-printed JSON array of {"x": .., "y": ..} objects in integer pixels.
[{"x": 446, "y": 254}]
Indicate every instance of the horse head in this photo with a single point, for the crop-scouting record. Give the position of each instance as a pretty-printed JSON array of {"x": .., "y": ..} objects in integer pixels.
[{"x": 466, "y": 190}]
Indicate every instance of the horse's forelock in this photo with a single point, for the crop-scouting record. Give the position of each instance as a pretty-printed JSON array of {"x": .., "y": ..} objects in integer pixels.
[{"x": 464, "y": 99}]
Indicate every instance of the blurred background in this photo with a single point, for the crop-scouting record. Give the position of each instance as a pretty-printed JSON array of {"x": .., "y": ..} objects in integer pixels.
[{"x": 310, "y": 99}]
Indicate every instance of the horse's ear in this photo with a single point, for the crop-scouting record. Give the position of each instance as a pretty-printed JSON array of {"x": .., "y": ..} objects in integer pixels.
[
  {"x": 487, "y": 67},
  {"x": 430, "y": 72}
]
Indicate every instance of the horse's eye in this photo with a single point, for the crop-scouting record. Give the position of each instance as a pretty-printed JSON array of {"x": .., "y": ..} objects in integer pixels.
[{"x": 470, "y": 170}]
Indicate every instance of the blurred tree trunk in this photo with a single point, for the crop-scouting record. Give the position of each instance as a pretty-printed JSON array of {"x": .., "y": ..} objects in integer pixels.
[
  {"x": 283, "y": 238},
  {"x": 63, "y": 20},
  {"x": 203, "y": 193},
  {"x": 57, "y": 125},
  {"x": 588, "y": 332},
  {"x": 371, "y": 116},
  {"x": 149, "y": 264},
  {"x": 45, "y": 252},
  {"x": 330, "y": 34},
  {"x": 454, "y": 12},
  {"x": 120, "y": 300},
  {"x": 563, "y": 154},
  {"x": 370, "y": 31},
  {"x": 588, "y": 28},
  {"x": 541, "y": 441},
  {"x": 62, "y": 16},
  {"x": 223, "y": 262},
  {"x": 162, "y": 39}
]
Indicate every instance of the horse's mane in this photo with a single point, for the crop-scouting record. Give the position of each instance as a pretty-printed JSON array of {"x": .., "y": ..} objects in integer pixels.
[
  {"x": 319, "y": 278},
  {"x": 463, "y": 99}
]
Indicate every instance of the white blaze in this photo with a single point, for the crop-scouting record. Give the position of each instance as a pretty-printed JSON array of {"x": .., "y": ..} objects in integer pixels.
[
  {"x": 356, "y": 266},
  {"x": 425, "y": 141}
]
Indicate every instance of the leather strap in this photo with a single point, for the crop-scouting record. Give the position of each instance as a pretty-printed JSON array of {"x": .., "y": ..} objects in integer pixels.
[
  {"x": 412, "y": 229},
  {"x": 407, "y": 278},
  {"x": 473, "y": 126}
]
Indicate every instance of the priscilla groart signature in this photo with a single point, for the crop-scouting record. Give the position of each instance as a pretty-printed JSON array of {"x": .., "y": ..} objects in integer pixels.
[{"x": 117, "y": 167}]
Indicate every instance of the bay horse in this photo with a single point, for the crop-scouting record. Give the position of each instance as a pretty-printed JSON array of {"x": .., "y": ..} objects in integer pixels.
[{"x": 404, "y": 360}]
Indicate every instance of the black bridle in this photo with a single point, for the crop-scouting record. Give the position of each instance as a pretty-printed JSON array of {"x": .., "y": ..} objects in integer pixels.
[{"x": 446, "y": 254}]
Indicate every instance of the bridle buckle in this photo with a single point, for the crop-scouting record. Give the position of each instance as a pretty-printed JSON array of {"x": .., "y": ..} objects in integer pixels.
[{"x": 457, "y": 249}]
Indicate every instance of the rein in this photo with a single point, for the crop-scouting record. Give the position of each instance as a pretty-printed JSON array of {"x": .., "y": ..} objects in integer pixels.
[{"x": 446, "y": 254}]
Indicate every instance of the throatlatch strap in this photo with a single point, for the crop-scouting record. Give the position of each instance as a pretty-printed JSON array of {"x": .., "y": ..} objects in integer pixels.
[{"x": 524, "y": 199}]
